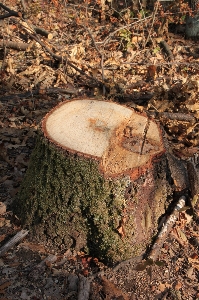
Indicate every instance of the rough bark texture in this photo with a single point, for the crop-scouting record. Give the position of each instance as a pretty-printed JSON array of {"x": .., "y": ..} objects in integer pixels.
[
  {"x": 66, "y": 201},
  {"x": 192, "y": 22}
]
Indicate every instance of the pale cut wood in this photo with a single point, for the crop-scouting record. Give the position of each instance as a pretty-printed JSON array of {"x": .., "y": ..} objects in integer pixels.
[
  {"x": 119, "y": 137},
  {"x": 13, "y": 241}
]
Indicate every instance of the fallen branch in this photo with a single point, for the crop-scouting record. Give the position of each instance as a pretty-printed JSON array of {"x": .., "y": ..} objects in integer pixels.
[
  {"x": 13, "y": 241},
  {"x": 60, "y": 58},
  {"x": 166, "y": 229},
  {"x": 167, "y": 50},
  {"x": 84, "y": 288},
  {"x": 101, "y": 56},
  {"x": 132, "y": 260},
  {"x": 11, "y": 13},
  {"x": 173, "y": 116},
  {"x": 43, "y": 32},
  {"x": 41, "y": 267},
  {"x": 14, "y": 45},
  {"x": 30, "y": 93},
  {"x": 178, "y": 117},
  {"x": 153, "y": 20},
  {"x": 106, "y": 40}
]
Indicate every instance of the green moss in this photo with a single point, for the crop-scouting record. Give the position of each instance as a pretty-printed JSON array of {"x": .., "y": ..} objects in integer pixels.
[{"x": 66, "y": 202}]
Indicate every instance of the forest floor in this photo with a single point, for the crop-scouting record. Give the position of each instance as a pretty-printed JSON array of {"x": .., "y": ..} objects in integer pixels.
[{"x": 142, "y": 63}]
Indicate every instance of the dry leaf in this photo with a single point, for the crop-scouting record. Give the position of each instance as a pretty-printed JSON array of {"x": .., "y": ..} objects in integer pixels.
[
  {"x": 2, "y": 208},
  {"x": 111, "y": 291}
]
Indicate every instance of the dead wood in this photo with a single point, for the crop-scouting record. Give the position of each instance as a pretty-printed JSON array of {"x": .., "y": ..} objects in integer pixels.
[
  {"x": 11, "y": 13},
  {"x": 24, "y": 5},
  {"x": 49, "y": 91},
  {"x": 167, "y": 50},
  {"x": 166, "y": 229},
  {"x": 73, "y": 282},
  {"x": 13, "y": 241},
  {"x": 14, "y": 45},
  {"x": 131, "y": 261},
  {"x": 193, "y": 178},
  {"x": 84, "y": 288},
  {"x": 43, "y": 32},
  {"x": 61, "y": 58},
  {"x": 178, "y": 116},
  {"x": 40, "y": 268},
  {"x": 55, "y": 90}
]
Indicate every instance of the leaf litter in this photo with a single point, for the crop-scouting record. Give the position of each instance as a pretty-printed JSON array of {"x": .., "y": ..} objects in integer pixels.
[{"x": 143, "y": 77}]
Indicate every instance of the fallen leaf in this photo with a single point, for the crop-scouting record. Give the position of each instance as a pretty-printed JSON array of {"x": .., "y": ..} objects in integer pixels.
[
  {"x": 2, "y": 208},
  {"x": 111, "y": 291},
  {"x": 5, "y": 285}
]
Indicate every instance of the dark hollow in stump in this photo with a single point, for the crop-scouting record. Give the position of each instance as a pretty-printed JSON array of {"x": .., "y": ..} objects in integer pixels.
[{"x": 96, "y": 180}]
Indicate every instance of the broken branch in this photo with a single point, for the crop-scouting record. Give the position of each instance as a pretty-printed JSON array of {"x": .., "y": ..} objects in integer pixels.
[
  {"x": 60, "y": 58},
  {"x": 84, "y": 288},
  {"x": 166, "y": 229},
  {"x": 11, "y": 13},
  {"x": 43, "y": 32},
  {"x": 14, "y": 45},
  {"x": 13, "y": 241}
]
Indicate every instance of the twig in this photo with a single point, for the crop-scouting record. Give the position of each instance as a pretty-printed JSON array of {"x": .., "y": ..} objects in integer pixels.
[
  {"x": 11, "y": 13},
  {"x": 40, "y": 268},
  {"x": 153, "y": 20},
  {"x": 58, "y": 57},
  {"x": 106, "y": 40},
  {"x": 178, "y": 117},
  {"x": 146, "y": 128},
  {"x": 173, "y": 116},
  {"x": 166, "y": 229},
  {"x": 14, "y": 45},
  {"x": 132, "y": 260},
  {"x": 13, "y": 241},
  {"x": 101, "y": 55},
  {"x": 24, "y": 5}
]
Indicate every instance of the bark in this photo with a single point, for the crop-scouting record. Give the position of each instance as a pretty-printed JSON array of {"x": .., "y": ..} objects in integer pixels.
[
  {"x": 84, "y": 288},
  {"x": 97, "y": 180},
  {"x": 13, "y": 241},
  {"x": 192, "y": 25},
  {"x": 14, "y": 45}
]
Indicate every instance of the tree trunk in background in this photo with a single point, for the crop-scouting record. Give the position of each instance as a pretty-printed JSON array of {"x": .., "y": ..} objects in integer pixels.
[
  {"x": 192, "y": 22},
  {"x": 97, "y": 180}
]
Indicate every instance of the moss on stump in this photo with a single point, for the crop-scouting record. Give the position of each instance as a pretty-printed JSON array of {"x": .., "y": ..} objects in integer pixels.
[{"x": 65, "y": 202}]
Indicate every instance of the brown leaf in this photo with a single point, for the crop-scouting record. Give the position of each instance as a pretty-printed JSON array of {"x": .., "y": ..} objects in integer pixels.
[
  {"x": 112, "y": 291},
  {"x": 2, "y": 208},
  {"x": 4, "y": 285}
]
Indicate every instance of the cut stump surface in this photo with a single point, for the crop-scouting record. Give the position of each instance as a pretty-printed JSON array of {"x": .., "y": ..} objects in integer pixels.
[{"x": 121, "y": 139}]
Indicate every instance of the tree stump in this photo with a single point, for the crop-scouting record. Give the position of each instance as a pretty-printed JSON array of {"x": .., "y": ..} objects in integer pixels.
[{"x": 96, "y": 180}]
